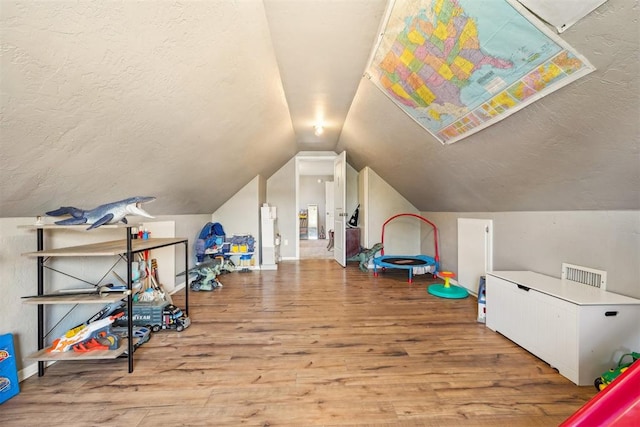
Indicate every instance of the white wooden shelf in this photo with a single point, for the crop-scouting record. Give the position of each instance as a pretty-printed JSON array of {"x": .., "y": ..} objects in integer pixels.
[
  {"x": 105, "y": 298},
  {"x": 82, "y": 227},
  {"x": 43, "y": 354},
  {"x": 114, "y": 247}
]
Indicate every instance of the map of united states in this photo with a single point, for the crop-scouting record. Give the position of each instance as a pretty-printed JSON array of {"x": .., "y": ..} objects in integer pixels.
[
  {"x": 458, "y": 66},
  {"x": 433, "y": 58}
]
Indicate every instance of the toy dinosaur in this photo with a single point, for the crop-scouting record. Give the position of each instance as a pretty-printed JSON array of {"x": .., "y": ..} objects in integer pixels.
[
  {"x": 365, "y": 255},
  {"x": 109, "y": 213},
  {"x": 207, "y": 275}
]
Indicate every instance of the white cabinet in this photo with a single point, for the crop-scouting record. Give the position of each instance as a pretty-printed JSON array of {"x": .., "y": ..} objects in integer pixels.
[{"x": 579, "y": 330}]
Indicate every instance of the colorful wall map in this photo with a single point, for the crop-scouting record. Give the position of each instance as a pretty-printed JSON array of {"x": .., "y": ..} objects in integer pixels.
[{"x": 458, "y": 66}]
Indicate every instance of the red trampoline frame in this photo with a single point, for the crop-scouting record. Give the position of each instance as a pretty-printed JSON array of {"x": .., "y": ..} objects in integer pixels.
[{"x": 435, "y": 232}]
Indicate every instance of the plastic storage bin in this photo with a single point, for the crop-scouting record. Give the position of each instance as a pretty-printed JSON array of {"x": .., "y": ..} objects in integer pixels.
[{"x": 9, "y": 385}]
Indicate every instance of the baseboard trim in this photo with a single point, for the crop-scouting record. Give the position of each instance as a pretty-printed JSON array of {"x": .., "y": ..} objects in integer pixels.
[{"x": 31, "y": 370}]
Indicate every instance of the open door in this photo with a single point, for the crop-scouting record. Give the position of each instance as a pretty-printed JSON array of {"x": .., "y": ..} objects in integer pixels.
[{"x": 340, "y": 200}]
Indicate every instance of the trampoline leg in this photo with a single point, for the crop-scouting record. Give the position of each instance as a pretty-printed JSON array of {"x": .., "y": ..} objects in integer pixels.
[{"x": 411, "y": 275}]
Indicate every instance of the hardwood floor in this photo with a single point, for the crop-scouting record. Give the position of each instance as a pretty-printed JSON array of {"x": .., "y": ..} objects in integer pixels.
[{"x": 310, "y": 344}]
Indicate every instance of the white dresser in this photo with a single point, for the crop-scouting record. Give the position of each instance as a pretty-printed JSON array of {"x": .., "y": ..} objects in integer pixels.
[{"x": 580, "y": 330}]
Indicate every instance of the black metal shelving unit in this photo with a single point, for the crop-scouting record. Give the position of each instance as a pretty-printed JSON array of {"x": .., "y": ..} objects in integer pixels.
[{"x": 126, "y": 250}]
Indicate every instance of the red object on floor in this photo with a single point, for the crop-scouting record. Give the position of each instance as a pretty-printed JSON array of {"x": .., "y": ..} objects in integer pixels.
[{"x": 617, "y": 405}]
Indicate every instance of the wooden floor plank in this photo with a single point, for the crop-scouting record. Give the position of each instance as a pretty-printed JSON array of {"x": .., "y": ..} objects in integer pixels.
[{"x": 310, "y": 344}]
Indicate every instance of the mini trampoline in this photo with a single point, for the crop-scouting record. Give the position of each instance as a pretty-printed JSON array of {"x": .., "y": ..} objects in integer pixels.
[{"x": 408, "y": 262}]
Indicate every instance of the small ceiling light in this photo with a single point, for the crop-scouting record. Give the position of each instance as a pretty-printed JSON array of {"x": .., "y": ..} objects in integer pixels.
[{"x": 319, "y": 130}]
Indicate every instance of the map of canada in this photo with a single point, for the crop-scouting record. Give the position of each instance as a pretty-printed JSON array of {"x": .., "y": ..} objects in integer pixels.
[{"x": 458, "y": 66}]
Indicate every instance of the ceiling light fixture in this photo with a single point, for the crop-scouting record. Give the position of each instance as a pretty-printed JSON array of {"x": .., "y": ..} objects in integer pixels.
[{"x": 319, "y": 130}]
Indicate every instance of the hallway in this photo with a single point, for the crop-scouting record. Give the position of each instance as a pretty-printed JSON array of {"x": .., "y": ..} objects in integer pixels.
[{"x": 315, "y": 249}]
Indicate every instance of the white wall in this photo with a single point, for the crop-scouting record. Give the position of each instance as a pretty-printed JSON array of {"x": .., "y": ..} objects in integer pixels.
[
  {"x": 241, "y": 213},
  {"x": 402, "y": 235},
  {"x": 542, "y": 241},
  {"x": 188, "y": 226},
  {"x": 18, "y": 276},
  {"x": 281, "y": 193}
]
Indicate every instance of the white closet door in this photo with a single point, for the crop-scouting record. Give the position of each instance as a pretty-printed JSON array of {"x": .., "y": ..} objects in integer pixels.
[{"x": 475, "y": 251}]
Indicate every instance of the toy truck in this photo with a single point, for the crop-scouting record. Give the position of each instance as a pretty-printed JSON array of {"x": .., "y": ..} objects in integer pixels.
[{"x": 155, "y": 316}]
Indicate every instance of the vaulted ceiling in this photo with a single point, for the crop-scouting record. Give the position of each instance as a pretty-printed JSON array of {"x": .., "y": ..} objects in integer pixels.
[{"x": 188, "y": 101}]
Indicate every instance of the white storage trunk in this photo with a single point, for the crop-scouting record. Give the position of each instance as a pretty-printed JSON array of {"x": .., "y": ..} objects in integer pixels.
[{"x": 580, "y": 330}]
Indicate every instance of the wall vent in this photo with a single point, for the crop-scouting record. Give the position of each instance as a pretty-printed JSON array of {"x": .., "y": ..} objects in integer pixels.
[{"x": 585, "y": 275}]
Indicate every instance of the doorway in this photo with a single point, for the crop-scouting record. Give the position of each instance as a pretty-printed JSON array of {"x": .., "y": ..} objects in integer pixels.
[{"x": 314, "y": 176}]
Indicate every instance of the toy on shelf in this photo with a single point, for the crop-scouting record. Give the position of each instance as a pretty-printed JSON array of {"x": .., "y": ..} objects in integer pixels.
[
  {"x": 245, "y": 262},
  {"x": 155, "y": 315},
  {"x": 83, "y": 334},
  {"x": 244, "y": 243},
  {"x": 99, "y": 290},
  {"x": 141, "y": 334},
  {"x": 109, "y": 213},
  {"x": 242, "y": 246},
  {"x": 145, "y": 277},
  {"x": 210, "y": 242}
]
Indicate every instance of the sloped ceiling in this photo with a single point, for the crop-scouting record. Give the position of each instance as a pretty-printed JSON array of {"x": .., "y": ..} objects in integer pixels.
[
  {"x": 188, "y": 101},
  {"x": 105, "y": 100}
]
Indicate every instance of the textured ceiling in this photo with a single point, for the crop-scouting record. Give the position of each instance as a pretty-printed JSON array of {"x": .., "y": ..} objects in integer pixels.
[{"x": 188, "y": 101}]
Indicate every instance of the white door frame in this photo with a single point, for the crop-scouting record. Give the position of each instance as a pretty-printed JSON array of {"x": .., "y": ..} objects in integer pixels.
[
  {"x": 298, "y": 159},
  {"x": 340, "y": 216}
]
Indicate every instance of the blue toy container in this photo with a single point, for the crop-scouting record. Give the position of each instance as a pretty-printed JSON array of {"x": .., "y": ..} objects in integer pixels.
[{"x": 9, "y": 385}]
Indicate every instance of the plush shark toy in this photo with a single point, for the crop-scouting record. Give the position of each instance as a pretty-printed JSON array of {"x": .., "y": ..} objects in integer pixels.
[{"x": 109, "y": 213}]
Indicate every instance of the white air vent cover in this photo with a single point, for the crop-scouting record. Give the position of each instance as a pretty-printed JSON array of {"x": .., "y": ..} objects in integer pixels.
[{"x": 585, "y": 275}]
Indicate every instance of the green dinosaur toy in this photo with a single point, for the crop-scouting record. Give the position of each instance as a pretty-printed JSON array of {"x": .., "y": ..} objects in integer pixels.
[
  {"x": 207, "y": 275},
  {"x": 365, "y": 255}
]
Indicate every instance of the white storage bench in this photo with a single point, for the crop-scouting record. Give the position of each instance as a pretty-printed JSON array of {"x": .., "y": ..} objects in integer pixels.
[{"x": 579, "y": 330}]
